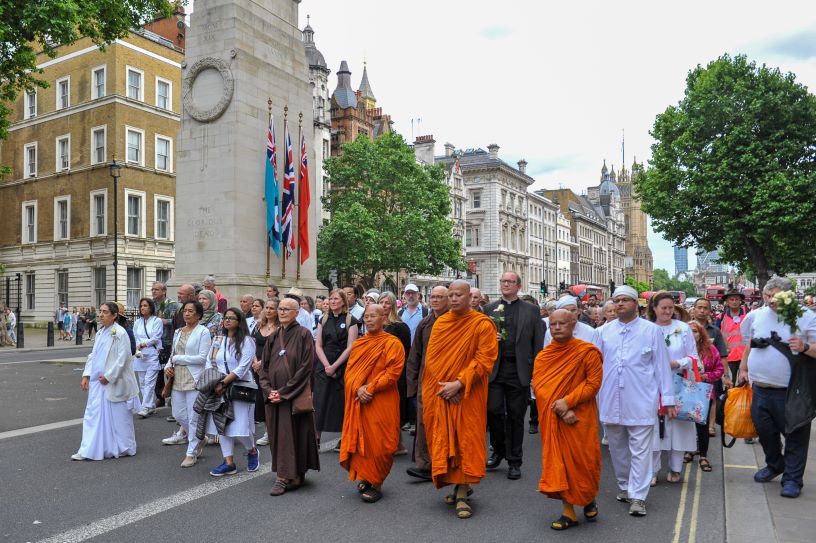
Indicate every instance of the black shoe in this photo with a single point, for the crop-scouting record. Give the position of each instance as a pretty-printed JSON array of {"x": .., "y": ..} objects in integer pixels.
[
  {"x": 425, "y": 475},
  {"x": 533, "y": 428},
  {"x": 494, "y": 461},
  {"x": 514, "y": 473}
]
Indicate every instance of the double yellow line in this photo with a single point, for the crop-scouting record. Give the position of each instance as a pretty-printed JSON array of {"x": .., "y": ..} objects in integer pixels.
[{"x": 695, "y": 506}]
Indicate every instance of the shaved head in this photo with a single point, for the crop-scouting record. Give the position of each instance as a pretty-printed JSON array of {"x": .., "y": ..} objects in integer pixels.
[
  {"x": 289, "y": 303},
  {"x": 439, "y": 299},
  {"x": 562, "y": 325},
  {"x": 475, "y": 298},
  {"x": 459, "y": 297},
  {"x": 374, "y": 318}
]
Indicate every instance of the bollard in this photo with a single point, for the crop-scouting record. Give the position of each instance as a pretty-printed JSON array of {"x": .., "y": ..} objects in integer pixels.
[
  {"x": 79, "y": 336},
  {"x": 20, "y": 334},
  {"x": 49, "y": 336}
]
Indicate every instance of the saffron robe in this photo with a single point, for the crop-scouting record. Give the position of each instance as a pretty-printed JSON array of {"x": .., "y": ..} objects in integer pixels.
[
  {"x": 371, "y": 431},
  {"x": 462, "y": 347},
  {"x": 570, "y": 453}
]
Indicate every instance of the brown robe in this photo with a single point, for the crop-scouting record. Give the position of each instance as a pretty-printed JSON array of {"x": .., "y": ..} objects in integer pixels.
[{"x": 292, "y": 438}]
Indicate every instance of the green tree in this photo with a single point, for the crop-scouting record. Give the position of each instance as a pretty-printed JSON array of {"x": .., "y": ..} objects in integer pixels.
[
  {"x": 733, "y": 168},
  {"x": 662, "y": 281},
  {"x": 28, "y": 27},
  {"x": 388, "y": 213},
  {"x": 639, "y": 286}
]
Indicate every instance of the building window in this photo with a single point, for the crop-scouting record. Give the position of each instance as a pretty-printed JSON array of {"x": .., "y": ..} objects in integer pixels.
[
  {"x": 30, "y": 222},
  {"x": 30, "y": 159},
  {"x": 63, "y": 92},
  {"x": 135, "y": 89},
  {"x": 31, "y": 289},
  {"x": 476, "y": 199},
  {"x": 164, "y": 218},
  {"x": 135, "y": 137},
  {"x": 62, "y": 217},
  {"x": 62, "y": 287},
  {"x": 98, "y": 83},
  {"x": 63, "y": 153},
  {"x": 135, "y": 213},
  {"x": 100, "y": 278},
  {"x": 164, "y": 151},
  {"x": 99, "y": 153},
  {"x": 134, "y": 286},
  {"x": 164, "y": 94},
  {"x": 472, "y": 237},
  {"x": 163, "y": 276},
  {"x": 30, "y": 105},
  {"x": 99, "y": 206}
]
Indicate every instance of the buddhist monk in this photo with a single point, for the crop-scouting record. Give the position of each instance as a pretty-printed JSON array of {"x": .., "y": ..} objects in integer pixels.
[
  {"x": 566, "y": 377},
  {"x": 458, "y": 361},
  {"x": 371, "y": 422}
]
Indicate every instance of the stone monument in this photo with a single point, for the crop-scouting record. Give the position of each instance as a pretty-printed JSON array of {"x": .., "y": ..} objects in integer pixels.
[{"x": 240, "y": 54}]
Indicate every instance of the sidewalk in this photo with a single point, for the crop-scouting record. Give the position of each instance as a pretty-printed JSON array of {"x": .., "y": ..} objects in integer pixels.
[
  {"x": 36, "y": 339},
  {"x": 756, "y": 512}
]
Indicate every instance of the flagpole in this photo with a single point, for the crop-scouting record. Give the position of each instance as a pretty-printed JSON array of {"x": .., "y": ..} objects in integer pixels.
[
  {"x": 300, "y": 180},
  {"x": 268, "y": 237},
  {"x": 283, "y": 243}
]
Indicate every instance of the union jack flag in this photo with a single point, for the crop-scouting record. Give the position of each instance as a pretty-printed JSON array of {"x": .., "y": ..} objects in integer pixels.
[{"x": 288, "y": 232}]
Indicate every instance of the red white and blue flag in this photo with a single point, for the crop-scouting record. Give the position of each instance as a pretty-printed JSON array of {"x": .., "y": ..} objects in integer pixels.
[
  {"x": 304, "y": 199},
  {"x": 287, "y": 220},
  {"x": 273, "y": 225}
]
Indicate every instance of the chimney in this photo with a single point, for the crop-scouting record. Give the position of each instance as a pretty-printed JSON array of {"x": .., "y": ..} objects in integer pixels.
[
  {"x": 522, "y": 164},
  {"x": 494, "y": 150},
  {"x": 424, "y": 149},
  {"x": 449, "y": 148}
]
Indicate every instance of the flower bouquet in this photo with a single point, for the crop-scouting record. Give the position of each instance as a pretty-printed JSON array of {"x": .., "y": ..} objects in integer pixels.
[
  {"x": 788, "y": 310},
  {"x": 498, "y": 320}
]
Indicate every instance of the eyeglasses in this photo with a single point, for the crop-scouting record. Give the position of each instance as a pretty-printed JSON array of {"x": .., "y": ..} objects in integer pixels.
[
  {"x": 622, "y": 300},
  {"x": 508, "y": 281},
  {"x": 231, "y": 319},
  {"x": 285, "y": 309}
]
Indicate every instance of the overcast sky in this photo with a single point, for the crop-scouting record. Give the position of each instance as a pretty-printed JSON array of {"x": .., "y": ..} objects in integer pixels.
[{"x": 554, "y": 83}]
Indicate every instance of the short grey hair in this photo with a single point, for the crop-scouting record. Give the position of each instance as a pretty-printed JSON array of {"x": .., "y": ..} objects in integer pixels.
[
  {"x": 607, "y": 304},
  {"x": 777, "y": 282},
  {"x": 209, "y": 279}
]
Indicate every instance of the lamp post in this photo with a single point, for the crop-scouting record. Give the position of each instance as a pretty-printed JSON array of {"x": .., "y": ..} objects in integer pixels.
[{"x": 115, "y": 168}]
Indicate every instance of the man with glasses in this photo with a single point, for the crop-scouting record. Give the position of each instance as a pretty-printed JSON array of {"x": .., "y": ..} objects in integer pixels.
[{"x": 636, "y": 368}]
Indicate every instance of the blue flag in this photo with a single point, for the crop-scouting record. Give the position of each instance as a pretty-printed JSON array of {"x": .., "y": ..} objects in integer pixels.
[{"x": 273, "y": 225}]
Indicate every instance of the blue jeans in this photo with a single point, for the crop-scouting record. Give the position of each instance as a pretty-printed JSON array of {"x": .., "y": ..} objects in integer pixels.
[{"x": 768, "y": 415}]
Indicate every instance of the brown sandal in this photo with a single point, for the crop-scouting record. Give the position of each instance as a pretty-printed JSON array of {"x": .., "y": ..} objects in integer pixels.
[
  {"x": 278, "y": 487},
  {"x": 705, "y": 465}
]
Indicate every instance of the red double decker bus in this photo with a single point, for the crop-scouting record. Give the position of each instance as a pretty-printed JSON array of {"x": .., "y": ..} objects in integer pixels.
[
  {"x": 751, "y": 295},
  {"x": 583, "y": 292},
  {"x": 715, "y": 293}
]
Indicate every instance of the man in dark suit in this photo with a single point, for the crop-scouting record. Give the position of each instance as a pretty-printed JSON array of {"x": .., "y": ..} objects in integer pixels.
[{"x": 520, "y": 336}]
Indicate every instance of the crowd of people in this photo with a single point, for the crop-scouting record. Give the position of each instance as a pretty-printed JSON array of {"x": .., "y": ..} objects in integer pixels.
[{"x": 371, "y": 367}]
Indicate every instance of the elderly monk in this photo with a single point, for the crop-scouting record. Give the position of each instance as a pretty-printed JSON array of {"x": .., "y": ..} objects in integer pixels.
[
  {"x": 371, "y": 424},
  {"x": 458, "y": 362},
  {"x": 566, "y": 377},
  {"x": 582, "y": 330},
  {"x": 413, "y": 373}
]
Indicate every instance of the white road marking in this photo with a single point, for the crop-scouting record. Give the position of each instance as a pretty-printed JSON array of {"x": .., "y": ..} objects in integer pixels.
[
  {"x": 681, "y": 510},
  {"x": 41, "y": 428},
  {"x": 162, "y": 505}
]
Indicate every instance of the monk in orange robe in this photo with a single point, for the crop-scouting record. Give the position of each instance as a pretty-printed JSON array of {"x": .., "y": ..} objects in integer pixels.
[
  {"x": 458, "y": 362},
  {"x": 371, "y": 422},
  {"x": 566, "y": 378}
]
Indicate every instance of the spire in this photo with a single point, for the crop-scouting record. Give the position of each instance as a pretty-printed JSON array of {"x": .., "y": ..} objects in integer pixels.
[
  {"x": 604, "y": 171},
  {"x": 315, "y": 57},
  {"x": 365, "y": 87},
  {"x": 343, "y": 94},
  {"x": 308, "y": 32}
]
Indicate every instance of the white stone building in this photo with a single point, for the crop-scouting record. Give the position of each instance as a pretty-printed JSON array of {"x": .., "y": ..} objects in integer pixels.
[
  {"x": 321, "y": 136},
  {"x": 565, "y": 250}
]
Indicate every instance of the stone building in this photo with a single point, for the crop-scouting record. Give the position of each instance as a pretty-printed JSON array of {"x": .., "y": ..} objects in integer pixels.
[
  {"x": 543, "y": 239},
  {"x": 57, "y": 205},
  {"x": 566, "y": 251},
  {"x": 638, "y": 261},
  {"x": 354, "y": 113},
  {"x": 606, "y": 199},
  {"x": 321, "y": 136}
]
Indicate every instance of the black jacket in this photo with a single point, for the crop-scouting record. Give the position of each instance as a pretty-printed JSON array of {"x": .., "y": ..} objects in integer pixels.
[{"x": 529, "y": 339}]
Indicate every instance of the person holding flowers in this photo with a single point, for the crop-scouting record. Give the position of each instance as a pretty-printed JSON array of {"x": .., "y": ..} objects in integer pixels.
[{"x": 779, "y": 334}]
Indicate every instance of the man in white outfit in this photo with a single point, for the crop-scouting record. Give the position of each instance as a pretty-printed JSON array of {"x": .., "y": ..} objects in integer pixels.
[{"x": 636, "y": 368}]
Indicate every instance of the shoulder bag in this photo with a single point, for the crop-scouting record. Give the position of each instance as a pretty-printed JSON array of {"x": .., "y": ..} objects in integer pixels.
[{"x": 239, "y": 390}]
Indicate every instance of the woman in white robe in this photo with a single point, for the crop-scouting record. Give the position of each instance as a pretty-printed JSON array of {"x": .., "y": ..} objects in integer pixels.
[
  {"x": 148, "y": 330},
  {"x": 107, "y": 427},
  {"x": 679, "y": 436}
]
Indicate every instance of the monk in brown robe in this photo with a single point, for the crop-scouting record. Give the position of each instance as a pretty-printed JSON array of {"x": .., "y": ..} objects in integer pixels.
[
  {"x": 566, "y": 378},
  {"x": 286, "y": 369},
  {"x": 371, "y": 422},
  {"x": 458, "y": 362}
]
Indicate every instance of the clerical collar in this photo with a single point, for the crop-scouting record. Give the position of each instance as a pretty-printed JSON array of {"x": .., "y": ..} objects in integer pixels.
[{"x": 510, "y": 303}]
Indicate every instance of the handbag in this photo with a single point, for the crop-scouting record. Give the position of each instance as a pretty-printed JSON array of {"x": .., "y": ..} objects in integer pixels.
[
  {"x": 240, "y": 390},
  {"x": 302, "y": 403},
  {"x": 692, "y": 397}
]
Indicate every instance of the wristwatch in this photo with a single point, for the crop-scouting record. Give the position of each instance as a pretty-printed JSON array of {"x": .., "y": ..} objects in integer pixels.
[{"x": 806, "y": 348}]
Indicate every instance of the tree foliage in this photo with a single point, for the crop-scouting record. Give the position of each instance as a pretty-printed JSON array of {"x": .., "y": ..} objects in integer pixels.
[
  {"x": 662, "y": 281},
  {"x": 388, "y": 213},
  {"x": 639, "y": 286},
  {"x": 28, "y": 27},
  {"x": 733, "y": 165}
]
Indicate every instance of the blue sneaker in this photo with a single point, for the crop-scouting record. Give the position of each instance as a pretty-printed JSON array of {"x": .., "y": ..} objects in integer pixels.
[
  {"x": 253, "y": 460},
  {"x": 790, "y": 490},
  {"x": 765, "y": 475},
  {"x": 224, "y": 469}
]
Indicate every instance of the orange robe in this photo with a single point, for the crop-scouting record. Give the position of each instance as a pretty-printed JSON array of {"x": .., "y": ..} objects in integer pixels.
[
  {"x": 371, "y": 431},
  {"x": 464, "y": 348},
  {"x": 570, "y": 453}
]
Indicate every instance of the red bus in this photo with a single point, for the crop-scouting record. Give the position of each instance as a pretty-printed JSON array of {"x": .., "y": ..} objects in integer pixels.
[
  {"x": 751, "y": 295},
  {"x": 583, "y": 292},
  {"x": 715, "y": 293},
  {"x": 677, "y": 295}
]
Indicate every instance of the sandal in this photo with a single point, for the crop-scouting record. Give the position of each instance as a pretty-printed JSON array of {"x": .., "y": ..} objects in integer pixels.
[
  {"x": 563, "y": 523},
  {"x": 362, "y": 486},
  {"x": 688, "y": 457},
  {"x": 674, "y": 477},
  {"x": 278, "y": 487},
  {"x": 654, "y": 481},
  {"x": 705, "y": 465},
  {"x": 450, "y": 499},
  {"x": 591, "y": 512},
  {"x": 463, "y": 509},
  {"x": 371, "y": 495}
]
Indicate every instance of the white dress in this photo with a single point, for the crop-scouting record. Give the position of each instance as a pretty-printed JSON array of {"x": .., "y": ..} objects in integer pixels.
[
  {"x": 244, "y": 423},
  {"x": 679, "y": 435},
  {"x": 149, "y": 332}
]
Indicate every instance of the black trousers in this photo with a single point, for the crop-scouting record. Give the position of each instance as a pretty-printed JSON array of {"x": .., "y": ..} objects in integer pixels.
[
  {"x": 768, "y": 415},
  {"x": 506, "y": 406}
]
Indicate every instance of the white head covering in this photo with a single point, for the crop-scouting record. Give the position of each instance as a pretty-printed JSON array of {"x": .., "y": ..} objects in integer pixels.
[
  {"x": 625, "y": 290},
  {"x": 565, "y": 301}
]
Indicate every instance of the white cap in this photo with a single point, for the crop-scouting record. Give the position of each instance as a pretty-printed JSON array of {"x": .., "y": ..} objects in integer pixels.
[
  {"x": 565, "y": 301},
  {"x": 374, "y": 295},
  {"x": 625, "y": 290},
  {"x": 411, "y": 287}
]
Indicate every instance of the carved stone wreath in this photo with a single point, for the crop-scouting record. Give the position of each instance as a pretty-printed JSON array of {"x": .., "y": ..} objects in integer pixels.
[{"x": 211, "y": 114}]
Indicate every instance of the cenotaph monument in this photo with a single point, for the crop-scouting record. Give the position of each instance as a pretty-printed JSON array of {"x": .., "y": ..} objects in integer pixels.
[{"x": 240, "y": 54}]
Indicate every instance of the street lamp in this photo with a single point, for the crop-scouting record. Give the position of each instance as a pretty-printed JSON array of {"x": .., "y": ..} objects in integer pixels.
[{"x": 115, "y": 168}]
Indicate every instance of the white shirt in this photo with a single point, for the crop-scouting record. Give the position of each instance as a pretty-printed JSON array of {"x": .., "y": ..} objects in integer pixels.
[
  {"x": 305, "y": 319},
  {"x": 768, "y": 365},
  {"x": 582, "y": 331},
  {"x": 251, "y": 323},
  {"x": 681, "y": 345},
  {"x": 357, "y": 311},
  {"x": 635, "y": 369}
]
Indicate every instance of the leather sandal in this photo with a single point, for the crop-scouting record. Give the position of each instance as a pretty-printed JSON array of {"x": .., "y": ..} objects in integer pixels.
[
  {"x": 688, "y": 457},
  {"x": 279, "y": 487},
  {"x": 450, "y": 499},
  {"x": 591, "y": 512},
  {"x": 362, "y": 486},
  {"x": 563, "y": 523},
  {"x": 371, "y": 495},
  {"x": 705, "y": 465},
  {"x": 463, "y": 509}
]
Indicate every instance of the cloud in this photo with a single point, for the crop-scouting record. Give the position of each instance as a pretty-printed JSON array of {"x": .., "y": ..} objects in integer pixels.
[
  {"x": 800, "y": 45},
  {"x": 495, "y": 32}
]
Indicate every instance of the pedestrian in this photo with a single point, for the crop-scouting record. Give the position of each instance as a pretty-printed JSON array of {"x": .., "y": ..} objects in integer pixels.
[
  {"x": 287, "y": 363},
  {"x": 165, "y": 310},
  {"x": 91, "y": 320},
  {"x": 566, "y": 378},
  {"x": 354, "y": 305},
  {"x": 609, "y": 313},
  {"x": 308, "y": 305},
  {"x": 256, "y": 310},
  {"x": 335, "y": 336},
  {"x": 108, "y": 378},
  {"x": 212, "y": 319},
  {"x": 678, "y": 436},
  {"x": 11, "y": 325},
  {"x": 766, "y": 365},
  {"x": 413, "y": 311},
  {"x": 80, "y": 319},
  {"x": 245, "y": 302},
  {"x": 272, "y": 291},
  {"x": 67, "y": 321},
  {"x": 59, "y": 317},
  {"x": 400, "y": 330},
  {"x": 730, "y": 324},
  {"x": 519, "y": 337},
  {"x": 415, "y": 366},
  {"x": 713, "y": 372},
  {"x": 232, "y": 356},
  {"x": 459, "y": 359},
  {"x": 75, "y": 328},
  {"x": 371, "y": 433},
  {"x": 475, "y": 299},
  {"x": 636, "y": 372},
  {"x": 265, "y": 329},
  {"x": 221, "y": 303},
  {"x": 191, "y": 343},
  {"x": 701, "y": 312},
  {"x": 582, "y": 330},
  {"x": 147, "y": 330}
]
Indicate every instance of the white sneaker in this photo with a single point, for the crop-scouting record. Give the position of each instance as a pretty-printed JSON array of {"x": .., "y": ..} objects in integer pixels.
[
  {"x": 178, "y": 438},
  {"x": 142, "y": 414},
  {"x": 264, "y": 440},
  {"x": 604, "y": 441},
  {"x": 77, "y": 457}
]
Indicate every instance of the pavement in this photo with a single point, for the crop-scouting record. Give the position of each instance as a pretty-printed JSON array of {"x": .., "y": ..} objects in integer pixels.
[{"x": 35, "y": 339}]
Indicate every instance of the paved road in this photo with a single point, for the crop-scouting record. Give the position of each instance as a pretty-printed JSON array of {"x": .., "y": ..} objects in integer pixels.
[
  {"x": 10, "y": 356},
  {"x": 149, "y": 498}
]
